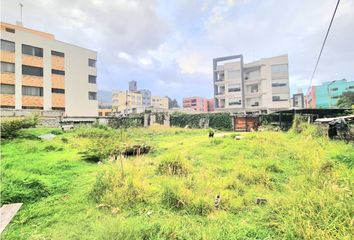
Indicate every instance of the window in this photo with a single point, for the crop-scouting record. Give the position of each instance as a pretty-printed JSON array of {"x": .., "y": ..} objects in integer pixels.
[
  {"x": 335, "y": 97},
  {"x": 234, "y": 101},
  {"x": 58, "y": 108},
  {"x": 6, "y": 106},
  {"x": 7, "y": 67},
  {"x": 351, "y": 87},
  {"x": 279, "y": 68},
  {"x": 58, "y": 54},
  {"x": 92, "y": 95},
  {"x": 58, "y": 72},
  {"x": 32, "y": 107},
  {"x": 7, "y": 46},
  {"x": 92, "y": 62},
  {"x": 11, "y": 30},
  {"x": 7, "y": 89},
  {"x": 58, "y": 90},
  {"x": 92, "y": 79},
  {"x": 30, "y": 50},
  {"x": 33, "y": 71},
  {"x": 279, "y": 82},
  {"x": 235, "y": 74},
  {"x": 253, "y": 88},
  {"x": 334, "y": 89},
  {"x": 234, "y": 87},
  {"x": 32, "y": 91},
  {"x": 280, "y": 97}
]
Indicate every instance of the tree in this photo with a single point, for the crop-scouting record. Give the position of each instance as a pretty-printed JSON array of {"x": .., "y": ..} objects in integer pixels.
[
  {"x": 346, "y": 100},
  {"x": 172, "y": 103}
]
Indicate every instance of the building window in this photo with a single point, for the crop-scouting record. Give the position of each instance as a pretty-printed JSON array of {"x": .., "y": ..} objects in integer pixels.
[
  {"x": 32, "y": 107},
  {"x": 33, "y": 51},
  {"x": 7, "y": 67},
  {"x": 58, "y": 72},
  {"x": 279, "y": 68},
  {"x": 32, "y": 91},
  {"x": 279, "y": 82},
  {"x": 33, "y": 71},
  {"x": 335, "y": 97},
  {"x": 234, "y": 87},
  {"x": 7, "y": 89},
  {"x": 6, "y": 106},
  {"x": 253, "y": 88},
  {"x": 351, "y": 87},
  {"x": 234, "y": 101},
  {"x": 334, "y": 89},
  {"x": 58, "y": 90},
  {"x": 92, "y": 79},
  {"x": 92, "y": 62},
  {"x": 280, "y": 97},
  {"x": 58, "y": 54},
  {"x": 7, "y": 46},
  {"x": 92, "y": 95},
  {"x": 59, "y": 108},
  {"x": 11, "y": 30}
]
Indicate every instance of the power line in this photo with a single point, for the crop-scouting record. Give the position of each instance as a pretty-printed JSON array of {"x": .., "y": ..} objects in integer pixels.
[{"x": 324, "y": 42}]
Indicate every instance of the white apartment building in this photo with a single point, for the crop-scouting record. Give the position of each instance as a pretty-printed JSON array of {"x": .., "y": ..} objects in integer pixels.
[
  {"x": 40, "y": 72},
  {"x": 261, "y": 86}
]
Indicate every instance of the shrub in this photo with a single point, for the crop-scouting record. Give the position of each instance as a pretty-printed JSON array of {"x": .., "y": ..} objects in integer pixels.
[
  {"x": 126, "y": 122},
  {"x": 221, "y": 121},
  {"x": 10, "y": 127},
  {"x": 201, "y": 206},
  {"x": 56, "y": 132},
  {"x": 173, "y": 164},
  {"x": 172, "y": 198},
  {"x": 91, "y": 132}
]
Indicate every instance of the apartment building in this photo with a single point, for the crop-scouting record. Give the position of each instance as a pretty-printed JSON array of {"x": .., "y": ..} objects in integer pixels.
[
  {"x": 198, "y": 104},
  {"x": 133, "y": 86},
  {"x": 261, "y": 86},
  {"x": 127, "y": 102},
  {"x": 159, "y": 102},
  {"x": 327, "y": 94},
  {"x": 40, "y": 72}
]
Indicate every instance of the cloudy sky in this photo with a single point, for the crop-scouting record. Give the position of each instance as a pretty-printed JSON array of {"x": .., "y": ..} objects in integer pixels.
[{"x": 168, "y": 46}]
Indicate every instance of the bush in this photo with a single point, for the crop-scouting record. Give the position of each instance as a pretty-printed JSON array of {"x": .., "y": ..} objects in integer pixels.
[
  {"x": 56, "y": 132},
  {"x": 172, "y": 198},
  {"x": 126, "y": 122},
  {"x": 10, "y": 127},
  {"x": 92, "y": 132},
  {"x": 173, "y": 164},
  {"x": 221, "y": 121}
]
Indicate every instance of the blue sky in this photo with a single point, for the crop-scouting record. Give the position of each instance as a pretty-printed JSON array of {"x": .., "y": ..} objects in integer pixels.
[{"x": 168, "y": 46}]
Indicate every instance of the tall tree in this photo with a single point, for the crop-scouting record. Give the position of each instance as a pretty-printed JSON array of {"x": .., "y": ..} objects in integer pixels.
[{"x": 346, "y": 100}]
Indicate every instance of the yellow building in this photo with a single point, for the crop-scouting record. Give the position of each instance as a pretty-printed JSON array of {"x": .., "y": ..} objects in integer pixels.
[
  {"x": 159, "y": 102},
  {"x": 127, "y": 102}
]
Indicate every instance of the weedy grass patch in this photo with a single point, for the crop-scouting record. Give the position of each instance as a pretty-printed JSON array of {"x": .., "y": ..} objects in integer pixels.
[{"x": 169, "y": 192}]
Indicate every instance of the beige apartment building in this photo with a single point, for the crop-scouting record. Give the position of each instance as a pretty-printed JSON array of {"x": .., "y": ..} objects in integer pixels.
[
  {"x": 132, "y": 102},
  {"x": 257, "y": 87},
  {"x": 159, "y": 102},
  {"x": 40, "y": 72}
]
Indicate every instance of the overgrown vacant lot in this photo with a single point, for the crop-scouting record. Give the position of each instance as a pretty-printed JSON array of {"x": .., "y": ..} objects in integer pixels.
[{"x": 169, "y": 193}]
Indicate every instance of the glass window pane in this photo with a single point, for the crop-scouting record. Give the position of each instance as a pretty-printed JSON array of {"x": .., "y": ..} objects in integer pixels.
[
  {"x": 7, "y": 67},
  {"x": 7, "y": 46},
  {"x": 34, "y": 71},
  {"x": 32, "y": 91},
  {"x": 7, "y": 89}
]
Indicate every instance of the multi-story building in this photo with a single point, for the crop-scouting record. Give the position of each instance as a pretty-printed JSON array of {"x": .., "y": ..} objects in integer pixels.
[
  {"x": 327, "y": 94},
  {"x": 196, "y": 103},
  {"x": 133, "y": 86},
  {"x": 40, "y": 72},
  {"x": 298, "y": 101},
  {"x": 159, "y": 102},
  {"x": 127, "y": 102},
  {"x": 146, "y": 95},
  {"x": 261, "y": 86},
  {"x": 211, "y": 103}
]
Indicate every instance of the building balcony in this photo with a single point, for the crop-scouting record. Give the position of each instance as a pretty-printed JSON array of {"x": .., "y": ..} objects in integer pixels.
[
  {"x": 252, "y": 81},
  {"x": 253, "y": 94}
]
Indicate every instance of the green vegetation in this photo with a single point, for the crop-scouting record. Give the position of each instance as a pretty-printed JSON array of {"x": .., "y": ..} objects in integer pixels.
[
  {"x": 169, "y": 192},
  {"x": 221, "y": 121},
  {"x": 346, "y": 100},
  {"x": 11, "y": 126}
]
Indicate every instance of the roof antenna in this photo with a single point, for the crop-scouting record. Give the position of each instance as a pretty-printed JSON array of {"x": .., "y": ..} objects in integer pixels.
[{"x": 21, "y": 6}]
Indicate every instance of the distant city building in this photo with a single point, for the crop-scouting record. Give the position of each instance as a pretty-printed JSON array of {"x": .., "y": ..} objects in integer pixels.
[
  {"x": 133, "y": 86},
  {"x": 261, "y": 86},
  {"x": 211, "y": 103},
  {"x": 40, "y": 72},
  {"x": 146, "y": 96},
  {"x": 298, "y": 101},
  {"x": 327, "y": 94},
  {"x": 159, "y": 102},
  {"x": 105, "y": 112},
  {"x": 196, "y": 103},
  {"x": 127, "y": 102}
]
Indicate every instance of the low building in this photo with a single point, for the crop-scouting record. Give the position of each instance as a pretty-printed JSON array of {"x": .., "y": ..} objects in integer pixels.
[
  {"x": 105, "y": 112},
  {"x": 196, "y": 103},
  {"x": 42, "y": 73},
  {"x": 211, "y": 104},
  {"x": 327, "y": 94},
  {"x": 127, "y": 102},
  {"x": 261, "y": 86},
  {"x": 159, "y": 102}
]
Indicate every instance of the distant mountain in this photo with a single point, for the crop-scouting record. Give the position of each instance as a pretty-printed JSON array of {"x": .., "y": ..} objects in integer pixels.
[{"x": 104, "y": 96}]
